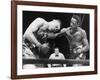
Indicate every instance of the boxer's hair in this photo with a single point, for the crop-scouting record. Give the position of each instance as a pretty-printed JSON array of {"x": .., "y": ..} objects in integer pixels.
[
  {"x": 56, "y": 20},
  {"x": 78, "y": 19}
]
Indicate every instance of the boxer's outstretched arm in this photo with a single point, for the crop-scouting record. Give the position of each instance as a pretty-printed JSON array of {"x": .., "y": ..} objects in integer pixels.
[{"x": 61, "y": 33}]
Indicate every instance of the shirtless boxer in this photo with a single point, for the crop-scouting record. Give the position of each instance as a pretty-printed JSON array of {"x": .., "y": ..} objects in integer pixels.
[
  {"x": 77, "y": 39},
  {"x": 36, "y": 36}
]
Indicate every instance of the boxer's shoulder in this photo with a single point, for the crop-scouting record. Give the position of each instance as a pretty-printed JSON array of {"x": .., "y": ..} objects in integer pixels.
[
  {"x": 80, "y": 29},
  {"x": 39, "y": 19}
]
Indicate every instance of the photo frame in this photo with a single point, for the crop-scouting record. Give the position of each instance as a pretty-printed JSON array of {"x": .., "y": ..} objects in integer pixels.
[{"x": 24, "y": 12}]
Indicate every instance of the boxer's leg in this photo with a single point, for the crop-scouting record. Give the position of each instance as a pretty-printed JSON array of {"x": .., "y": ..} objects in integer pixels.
[
  {"x": 80, "y": 57},
  {"x": 27, "y": 53}
]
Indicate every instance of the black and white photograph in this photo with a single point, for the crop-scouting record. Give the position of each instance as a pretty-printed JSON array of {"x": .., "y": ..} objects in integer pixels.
[
  {"x": 49, "y": 36},
  {"x": 50, "y": 40}
]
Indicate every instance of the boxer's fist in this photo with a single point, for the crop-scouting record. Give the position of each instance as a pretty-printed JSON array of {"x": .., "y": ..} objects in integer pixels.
[
  {"x": 44, "y": 48},
  {"x": 79, "y": 50}
]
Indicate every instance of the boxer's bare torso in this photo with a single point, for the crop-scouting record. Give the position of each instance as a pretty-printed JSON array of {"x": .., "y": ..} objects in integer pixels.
[{"x": 75, "y": 38}]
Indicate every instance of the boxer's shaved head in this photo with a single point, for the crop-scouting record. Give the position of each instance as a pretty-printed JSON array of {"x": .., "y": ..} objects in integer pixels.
[{"x": 55, "y": 25}]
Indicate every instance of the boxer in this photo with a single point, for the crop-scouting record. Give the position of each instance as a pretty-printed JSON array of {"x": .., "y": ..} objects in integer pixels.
[
  {"x": 77, "y": 38},
  {"x": 35, "y": 39}
]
